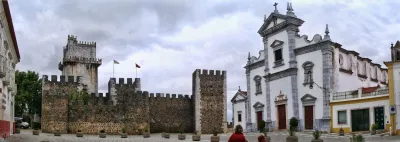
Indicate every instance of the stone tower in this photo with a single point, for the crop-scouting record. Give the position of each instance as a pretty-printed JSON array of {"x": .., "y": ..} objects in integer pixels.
[
  {"x": 209, "y": 91},
  {"x": 79, "y": 59}
]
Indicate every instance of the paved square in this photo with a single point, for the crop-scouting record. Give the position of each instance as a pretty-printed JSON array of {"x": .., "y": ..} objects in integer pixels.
[{"x": 26, "y": 136}]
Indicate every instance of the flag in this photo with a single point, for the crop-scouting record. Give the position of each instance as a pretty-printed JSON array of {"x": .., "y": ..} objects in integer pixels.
[
  {"x": 116, "y": 62},
  {"x": 137, "y": 65}
]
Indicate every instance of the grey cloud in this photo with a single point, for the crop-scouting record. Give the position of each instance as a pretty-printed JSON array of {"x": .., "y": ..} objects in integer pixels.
[{"x": 131, "y": 26}]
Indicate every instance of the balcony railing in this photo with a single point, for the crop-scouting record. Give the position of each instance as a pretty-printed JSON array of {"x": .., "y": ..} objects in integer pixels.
[
  {"x": 345, "y": 95},
  {"x": 378, "y": 92},
  {"x": 357, "y": 94}
]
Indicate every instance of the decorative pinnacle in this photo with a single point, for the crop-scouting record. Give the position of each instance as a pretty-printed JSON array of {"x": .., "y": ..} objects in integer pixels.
[
  {"x": 326, "y": 30},
  {"x": 391, "y": 45},
  {"x": 265, "y": 17},
  {"x": 290, "y": 10},
  {"x": 327, "y": 37},
  {"x": 248, "y": 57},
  {"x": 239, "y": 88}
]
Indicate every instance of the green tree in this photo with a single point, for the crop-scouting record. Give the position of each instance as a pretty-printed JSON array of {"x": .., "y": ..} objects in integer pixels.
[{"x": 29, "y": 94}]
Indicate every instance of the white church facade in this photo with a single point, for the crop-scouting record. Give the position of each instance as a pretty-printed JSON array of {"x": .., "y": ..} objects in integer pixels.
[{"x": 294, "y": 77}]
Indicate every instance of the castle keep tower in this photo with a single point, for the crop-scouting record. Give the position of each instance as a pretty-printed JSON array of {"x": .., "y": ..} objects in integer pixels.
[
  {"x": 79, "y": 59},
  {"x": 209, "y": 93}
]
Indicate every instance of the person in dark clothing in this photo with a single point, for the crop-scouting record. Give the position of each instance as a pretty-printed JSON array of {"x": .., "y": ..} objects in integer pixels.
[{"x": 238, "y": 135}]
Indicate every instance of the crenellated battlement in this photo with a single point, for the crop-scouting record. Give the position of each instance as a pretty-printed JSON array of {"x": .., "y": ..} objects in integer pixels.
[
  {"x": 63, "y": 79},
  {"x": 72, "y": 37},
  {"x": 210, "y": 72},
  {"x": 81, "y": 43},
  {"x": 75, "y": 59},
  {"x": 121, "y": 81},
  {"x": 169, "y": 95}
]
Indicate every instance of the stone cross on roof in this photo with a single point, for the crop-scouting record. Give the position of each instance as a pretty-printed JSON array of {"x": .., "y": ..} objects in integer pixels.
[{"x": 276, "y": 10}]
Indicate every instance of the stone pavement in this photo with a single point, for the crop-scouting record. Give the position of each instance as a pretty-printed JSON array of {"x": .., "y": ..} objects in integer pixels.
[{"x": 26, "y": 136}]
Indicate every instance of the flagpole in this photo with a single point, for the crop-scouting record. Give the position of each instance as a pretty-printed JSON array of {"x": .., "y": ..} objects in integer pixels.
[{"x": 136, "y": 70}]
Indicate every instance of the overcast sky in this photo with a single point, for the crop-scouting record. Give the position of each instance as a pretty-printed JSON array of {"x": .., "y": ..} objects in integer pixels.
[{"x": 172, "y": 38}]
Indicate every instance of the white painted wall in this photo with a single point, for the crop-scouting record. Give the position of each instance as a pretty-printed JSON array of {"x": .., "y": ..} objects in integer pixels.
[
  {"x": 347, "y": 82},
  {"x": 396, "y": 80},
  {"x": 8, "y": 113},
  {"x": 279, "y": 20},
  {"x": 282, "y": 36},
  {"x": 239, "y": 106},
  {"x": 316, "y": 58},
  {"x": 349, "y": 107},
  {"x": 303, "y": 40},
  {"x": 259, "y": 98},
  {"x": 283, "y": 85}
]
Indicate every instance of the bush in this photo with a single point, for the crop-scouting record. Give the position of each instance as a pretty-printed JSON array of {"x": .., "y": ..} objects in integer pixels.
[
  {"x": 373, "y": 127},
  {"x": 358, "y": 138},
  {"x": 293, "y": 125},
  {"x": 102, "y": 131},
  {"x": 261, "y": 126},
  {"x": 36, "y": 125},
  {"x": 123, "y": 130},
  {"x": 316, "y": 134},
  {"x": 146, "y": 129}
]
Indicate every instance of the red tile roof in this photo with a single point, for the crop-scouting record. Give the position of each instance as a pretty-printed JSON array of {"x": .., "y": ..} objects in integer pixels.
[
  {"x": 370, "y": 89},
  {"x": 244, "y": 93}
]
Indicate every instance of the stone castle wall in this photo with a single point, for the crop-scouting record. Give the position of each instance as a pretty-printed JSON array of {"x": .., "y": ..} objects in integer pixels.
[
  {"x": 171, "y": 114},
  {"x": 55, "y": 102},
  {"x": 210, "y": 104},
  {"x": 65, "y": 109}
]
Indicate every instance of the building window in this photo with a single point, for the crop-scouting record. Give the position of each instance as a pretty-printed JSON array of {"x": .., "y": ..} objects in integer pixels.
[
  {"x": 341, "y": 61},
  {"x": 350, "y": 63},
  {"x": 239, "y": 117},
  {"x": 342, "y": 117},
  {"x": 5, "y": 45},
  {"x": 257, "y": 80},
  {"x": 365, "y": 69},
  {"x": 308, "y": 72},
  {"x": 278, "y": 55}
]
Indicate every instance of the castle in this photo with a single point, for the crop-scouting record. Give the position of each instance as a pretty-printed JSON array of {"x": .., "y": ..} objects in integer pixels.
[{"x": 71, "y": 102}]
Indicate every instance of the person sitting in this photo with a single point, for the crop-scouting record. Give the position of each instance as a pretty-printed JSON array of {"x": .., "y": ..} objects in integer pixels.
[{"x": 238, "y": 135}]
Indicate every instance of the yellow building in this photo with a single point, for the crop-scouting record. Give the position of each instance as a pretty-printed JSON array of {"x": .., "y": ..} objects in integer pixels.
[{"x": 394, "y": 89}]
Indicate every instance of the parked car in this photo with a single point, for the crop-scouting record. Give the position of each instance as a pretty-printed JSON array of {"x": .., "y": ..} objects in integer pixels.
[
  {"x": 18, "y": 121},
  {"x": 24, "y": 125}
]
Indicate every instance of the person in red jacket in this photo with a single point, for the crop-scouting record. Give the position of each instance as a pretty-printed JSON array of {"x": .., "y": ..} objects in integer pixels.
[
  {"x": 261, "y": 138},
  {"x": 238, "y": 135}
]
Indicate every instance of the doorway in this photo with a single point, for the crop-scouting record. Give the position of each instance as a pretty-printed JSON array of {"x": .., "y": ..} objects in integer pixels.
[
  {"x": 259, "y": 117},
  {"x": 309, "y": 117},
  {"x": 360, "y": 120},
  {"x": 282, "y": 116},
  {"x": 379, "y": 118}
]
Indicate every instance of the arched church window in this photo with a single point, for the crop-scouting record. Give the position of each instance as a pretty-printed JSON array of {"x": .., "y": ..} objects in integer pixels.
[
  {"x": 350, "y": 62},
  {"x": 341, "y": 61},
  {"x": 257, "y": 80},
  {"x": 358, "y": 68},
  {"x": 308, "y": 72},
  {"x": 397, "y": 55}
]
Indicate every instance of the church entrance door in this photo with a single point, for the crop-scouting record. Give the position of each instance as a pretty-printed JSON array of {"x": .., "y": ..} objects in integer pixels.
[
  {"x": 259, "y": 117},
  {"x": 282, "y": 116},
  {"x": 309, "y": 117}
]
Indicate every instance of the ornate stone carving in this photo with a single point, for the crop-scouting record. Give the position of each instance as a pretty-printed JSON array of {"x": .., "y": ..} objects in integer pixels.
[{"x": 281, "y": 99}]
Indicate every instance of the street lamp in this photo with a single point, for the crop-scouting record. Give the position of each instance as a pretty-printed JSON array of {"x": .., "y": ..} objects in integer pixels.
[{"x": 310, "y": 79}]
